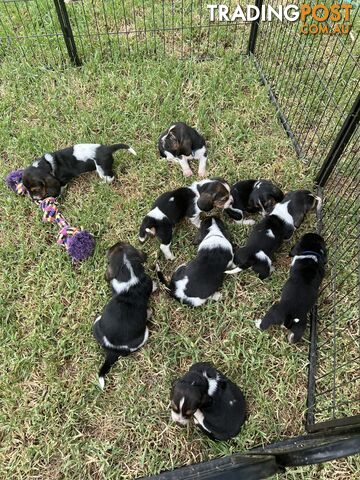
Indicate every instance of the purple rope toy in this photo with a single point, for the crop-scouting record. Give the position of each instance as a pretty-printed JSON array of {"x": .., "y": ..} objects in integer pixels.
[{"x": 79, "y": 243}]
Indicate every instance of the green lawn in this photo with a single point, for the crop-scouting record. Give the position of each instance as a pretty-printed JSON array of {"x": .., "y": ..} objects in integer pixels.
[{"x": 55, "y": 421}]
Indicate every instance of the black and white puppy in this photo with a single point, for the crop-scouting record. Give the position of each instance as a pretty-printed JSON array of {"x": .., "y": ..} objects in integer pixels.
[
  {"x": 200, "y": 280},
  {"x": 180, "y": 143},
  {"x": 217, "y": 405},
  {"x": 48, "y": 174},
  {"x": 251, "y": 196},
  {"x": 300, "y": 292},
  {"x": 189, "y": 202},
  {"x": 122, "y": 327},
  {"x": 268, "y": 235}
]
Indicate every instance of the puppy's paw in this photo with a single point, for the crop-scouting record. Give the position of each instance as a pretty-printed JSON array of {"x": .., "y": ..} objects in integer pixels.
[
  {"x": 248, "y": 221},
  {"x": 102, "y": 382},
  {"x": 142, "y": 239},
  {"x": 216, "y": 296},
  {"x": 291, "y": 337},
  {"x": 108, "y": 179},
  {"x": 202, "y": 173},
  {"x": 188, "y": 173},
  {"x": 258, "y": 323}
]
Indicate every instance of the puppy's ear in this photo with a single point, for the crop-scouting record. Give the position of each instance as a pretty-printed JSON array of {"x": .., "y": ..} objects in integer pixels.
[
  {"x": 205, "y": 202},
  {"x": 52, "y": 186}
]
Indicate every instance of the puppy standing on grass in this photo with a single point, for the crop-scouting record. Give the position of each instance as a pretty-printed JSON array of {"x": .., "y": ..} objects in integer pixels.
[
  {"x": 48, "y": 174},
  {"x": 122, "y": 327},
  {"x": 180, "y": 143},
  {"x": 217, "y": 404},
  {"x": 300, "y": 292},
  {"x": 251, "y": 196},
  {"x": 268, "y": 235},
  {"x": 189, "y": 202},
  {"x": 200, "y": 280}
]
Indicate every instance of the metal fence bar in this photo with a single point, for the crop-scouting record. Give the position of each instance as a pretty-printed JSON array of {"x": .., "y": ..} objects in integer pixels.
[
  {"x": 254, "y": 31},
  {"x": 67, "y": 32}
]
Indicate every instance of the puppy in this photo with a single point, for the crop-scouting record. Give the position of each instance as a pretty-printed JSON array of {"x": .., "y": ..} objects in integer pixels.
[
  {"x": 268, "y": 235},
  {"x": 251, "y": 196},
  {"x": 200, "y": 280},
  {"x": 48, "y": 174},
  {"x": 189, "y": 202},
  {"x": 300, "y": 292},
  {"x": 180, "y": 143},
  {"x": 121, "y": 329},
  {"x": 217, "y": 405}
]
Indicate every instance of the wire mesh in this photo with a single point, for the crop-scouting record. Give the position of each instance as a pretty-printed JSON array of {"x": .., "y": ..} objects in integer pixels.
[
  {"x": 111, "y": 29},
  {"x": 337, "y": 374},
  {"x": 314, "y": 79}
]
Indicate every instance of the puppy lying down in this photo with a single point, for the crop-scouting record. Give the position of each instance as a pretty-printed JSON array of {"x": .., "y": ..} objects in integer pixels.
[
  {"x": 122, "y": 327},
  {"x": 300, "y": 292},
  {"x": 216, "y": 404}
]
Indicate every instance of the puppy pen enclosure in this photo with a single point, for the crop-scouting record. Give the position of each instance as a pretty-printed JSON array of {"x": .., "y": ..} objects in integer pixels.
[{"x": 313, "y": 81}]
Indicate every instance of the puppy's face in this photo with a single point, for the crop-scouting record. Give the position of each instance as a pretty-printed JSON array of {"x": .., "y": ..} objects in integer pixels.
[
  {"x": 301, "y": 202},
  {"x": 310, "y": 242},
  {"x": 185, "y": 400},
  {"x": 215, "y": 194},
  {"x": 264, "y": 196},
  {"x": 116, "y": 258},
  {"x": 171, "y": 143},
  {"x": 40, "y": 184}
]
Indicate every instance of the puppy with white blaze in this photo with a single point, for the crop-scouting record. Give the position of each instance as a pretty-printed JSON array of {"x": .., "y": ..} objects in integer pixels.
[
  {"x": 122, "y": 327},
  {"x": 49, "y": 174},
  {"x": 201, "y": 279},
  {"x": 268, "y": 235},
  {"x": 251, "y": 196},
  {"x": 300, "y": 292},
  {"x": 217, "y": 405},
  {"x": 180, "y": 143},
  {"x": 186, "y": 202}
]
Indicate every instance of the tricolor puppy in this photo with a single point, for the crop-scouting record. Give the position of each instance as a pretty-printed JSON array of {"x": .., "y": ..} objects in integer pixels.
[
  {"x": 171, "y": 207},
  {"x": 268, "y": 235},
  {"x": 251, "y": 196},
  {"x": 48, "y": 174},
  {"x": 300, "y": 292},
  {"x": 201, "y": 279},
  {"x": 180, "y": 143},
  {"x": 217, "y": 405},
  {"x": 122, "y": 327}
]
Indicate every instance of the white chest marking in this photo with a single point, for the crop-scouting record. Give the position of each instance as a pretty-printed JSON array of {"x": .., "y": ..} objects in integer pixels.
[
  {"x": 281, "y": 211},
  {"x": 199, "y": 419},
  {"x": 270, "y": 233},
  {"x": 213, "y": 383},
  {"x": 301, "y": 257},
  {"x": 157, "y": 214},
  {"x": 122, "y": 287},
  {"x": 85, "y": 151}
]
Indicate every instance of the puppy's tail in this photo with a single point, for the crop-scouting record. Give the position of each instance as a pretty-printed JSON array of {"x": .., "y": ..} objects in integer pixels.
[
  {"x": 111, "y": 358},
  {"x": 121, "y": 146},
  {"x": 162, "y": 278}
]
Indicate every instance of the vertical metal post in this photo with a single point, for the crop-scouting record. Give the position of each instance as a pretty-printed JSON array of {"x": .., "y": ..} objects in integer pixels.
[
  {"x": 67, "y": 32},
  {"x": 340, "y": 143},
  {"x": 254, "y": 30}
]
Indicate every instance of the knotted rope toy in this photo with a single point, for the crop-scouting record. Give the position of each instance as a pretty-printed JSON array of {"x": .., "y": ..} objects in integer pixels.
[{"x": 79, "y": 243}]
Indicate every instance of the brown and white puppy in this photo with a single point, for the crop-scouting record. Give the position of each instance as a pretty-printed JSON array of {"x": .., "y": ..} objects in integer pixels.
[
  {"x": 217, "y": 405},
  {"x": 180, "y": 143},
  {"x": 48, "y": 174},
  {"x": 122, "y": 327},
  {"x": 171, "y": 207}
]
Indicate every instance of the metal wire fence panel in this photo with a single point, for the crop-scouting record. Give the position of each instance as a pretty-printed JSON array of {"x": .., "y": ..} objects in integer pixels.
[
  {"x": 337, "y": 375},
  {"x": 313, "y": 78},
  {"x": 110, "y": 29}
]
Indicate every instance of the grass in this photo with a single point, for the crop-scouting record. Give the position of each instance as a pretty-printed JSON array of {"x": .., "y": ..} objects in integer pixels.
[{"x": 55, "y": 421}]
